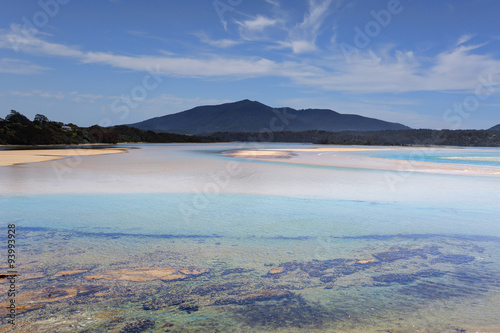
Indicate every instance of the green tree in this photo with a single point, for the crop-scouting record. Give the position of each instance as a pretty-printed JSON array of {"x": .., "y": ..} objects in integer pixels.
[
  {"x": 40, "y": 119},
  {"x": 15, "y": 117}
]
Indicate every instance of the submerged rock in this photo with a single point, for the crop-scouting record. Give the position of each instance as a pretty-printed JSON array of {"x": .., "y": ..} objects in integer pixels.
[
  {"x": 22, "y": 276},
  {"x": 33, "y": 300},
  {"x": 366, "y": 261},
  {"x": 149, "y": 274},
  {"x": 23, "y": 308},
  {"x": 277, "y": 270},
  {"x": 66, "y": 273}
]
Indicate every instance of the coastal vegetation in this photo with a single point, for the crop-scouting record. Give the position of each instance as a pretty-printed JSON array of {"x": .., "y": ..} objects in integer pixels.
[{"x": 17, "y": 129}]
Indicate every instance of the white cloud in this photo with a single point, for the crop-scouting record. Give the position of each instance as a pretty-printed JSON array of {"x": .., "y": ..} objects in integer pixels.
[
  {"x": 74, "y": 95},
  {"x": 303, "y": 36},
  {"x": 257, "y": 24},
  {"x": 464, "y": 39},
  {"x": 388, "y": 71},
  {"x": 16, "y": 66},
  {"x": 273, "y": 2},
  {"x": 302, "y": 46},
  {"x": 19, "y": 39},
  {"x": 456, "y": 69},
  {"x": 257, "y": 29},
  {"x": 221, "y": 43},
  {"x": 142, "y": 34},
  {"x": 21, "y": 93}
]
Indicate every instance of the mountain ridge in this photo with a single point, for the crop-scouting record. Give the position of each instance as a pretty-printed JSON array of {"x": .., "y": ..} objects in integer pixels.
[
  {"x": 253, "y": 116},
  {"x": 495, "y": 128}
]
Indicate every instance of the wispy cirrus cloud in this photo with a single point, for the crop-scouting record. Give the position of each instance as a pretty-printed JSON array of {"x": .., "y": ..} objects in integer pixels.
[
  {"x": 454, "y": 69},
  {"x": 221, "y": 43},
  {"x": 74, "y": 96},
  {"x": 464, "y": 39},
  {"x": 303, "y": 36},
  {"x": 17, "y": 39},
  {"x": 390, "y": 71},
  {"x": 142, "y": 34},
  {"x": 257, "y": 24},
  {"x": 256, "y": 28},
  {"x": 17, "y": 66}
]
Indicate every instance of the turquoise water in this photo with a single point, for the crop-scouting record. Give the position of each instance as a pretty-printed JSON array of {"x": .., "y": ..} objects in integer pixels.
[
  {"x": 279, "y": 247},
  {"x": 469, "y": 156},
  {"x": 227, "y": 215}
]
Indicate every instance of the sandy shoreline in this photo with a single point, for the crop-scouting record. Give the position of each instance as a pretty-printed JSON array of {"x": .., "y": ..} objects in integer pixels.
[{"x": 13, "y": 157}]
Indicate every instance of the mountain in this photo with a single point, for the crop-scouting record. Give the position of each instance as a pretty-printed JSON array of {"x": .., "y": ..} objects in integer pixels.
[
  {"x": 252, "y": 116},
  {"x": 495, "y": 128}
]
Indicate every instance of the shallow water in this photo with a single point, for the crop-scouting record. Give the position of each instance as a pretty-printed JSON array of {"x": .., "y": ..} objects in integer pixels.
[
  {"x": 278, "y": 246},
  {"x": 468, "y": 156}
]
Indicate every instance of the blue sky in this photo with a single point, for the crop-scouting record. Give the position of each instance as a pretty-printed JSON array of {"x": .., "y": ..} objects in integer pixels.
[{"x": 427, "y": 64}]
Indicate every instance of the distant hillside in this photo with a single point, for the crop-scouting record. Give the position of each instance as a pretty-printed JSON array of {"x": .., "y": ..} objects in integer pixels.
[
  {"x": 251, "y": 116},
  {"x": 16, "y": 129},
  {"x": 495, "y": 128}
]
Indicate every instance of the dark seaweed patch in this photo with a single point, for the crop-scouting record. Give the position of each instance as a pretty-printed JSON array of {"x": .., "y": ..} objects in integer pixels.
[
  {"x": 140, "y": 325},
  {"x": 456, "y": 259},
  {"x": 214, "y": 289},
  {"x": 291, "y": 238},
  {"x": 463, "y": 284},
  {"x": 328, "y": 278},
  {"x": 235, "y": 271},
  {"x": 90, "y": 290},
  {"x": 318, "y": 268},
  {"x": 315, "y": 268},
  {"x": 167, "y": 301},
  {"x": 262, "y": 296},
  {"x": 426, "y": 273},
  {"x": 475, "y": 278},
  {"x": 404, "y": 253},
  {"x": 189, "y": 308},
  {"x": 397, "y": 278},
  {"x": 407, "y": 278},
  {"x": 289, "y": 312},
  {"x": 437, "y": 291}
]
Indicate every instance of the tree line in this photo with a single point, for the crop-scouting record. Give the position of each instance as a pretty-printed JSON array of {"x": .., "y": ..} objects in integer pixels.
[{"x": 17, "y": 129}]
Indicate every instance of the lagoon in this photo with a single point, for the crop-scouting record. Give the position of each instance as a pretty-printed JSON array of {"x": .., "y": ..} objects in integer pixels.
[{"x": 188, "y": 238}]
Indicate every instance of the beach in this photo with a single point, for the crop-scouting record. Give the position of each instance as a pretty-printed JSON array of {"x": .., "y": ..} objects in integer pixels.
[{"x": 13, "y": 157}]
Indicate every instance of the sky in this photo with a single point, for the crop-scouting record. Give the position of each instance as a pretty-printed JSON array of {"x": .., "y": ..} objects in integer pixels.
[{"x": 426, "y": 64}]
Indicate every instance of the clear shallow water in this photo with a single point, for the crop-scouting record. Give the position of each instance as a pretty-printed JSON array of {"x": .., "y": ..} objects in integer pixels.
[
  {"x": 282, "y": 247},
  {"x": 230, "y": 215},
  {"x": 467, "y": 156}
]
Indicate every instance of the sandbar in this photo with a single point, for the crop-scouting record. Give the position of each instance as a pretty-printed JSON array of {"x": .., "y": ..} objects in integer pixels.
[
  {"x": 264, "y": 153},
  {"x": 328, "y": 157},
  {"x": 13, "y": 157}
]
